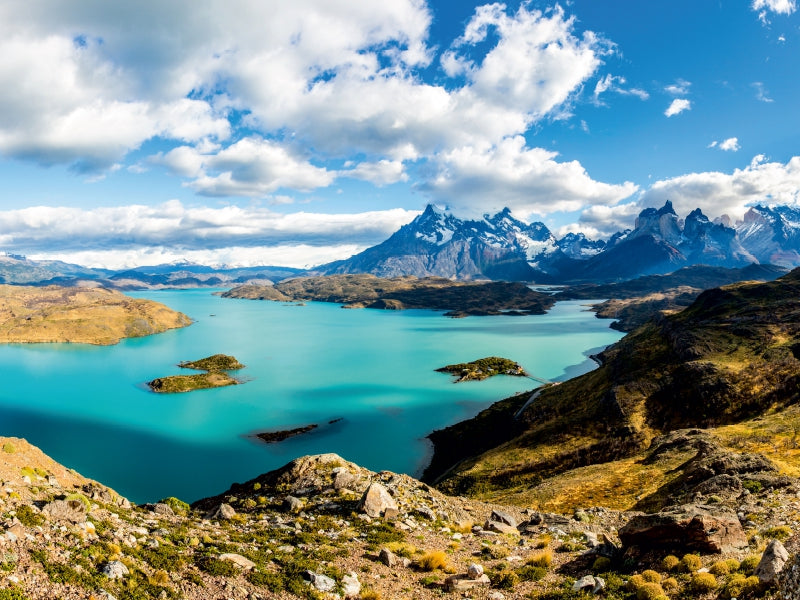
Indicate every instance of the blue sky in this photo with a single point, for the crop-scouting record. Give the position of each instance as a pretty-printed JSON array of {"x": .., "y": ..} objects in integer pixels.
[{"x": 252, "y": 132}]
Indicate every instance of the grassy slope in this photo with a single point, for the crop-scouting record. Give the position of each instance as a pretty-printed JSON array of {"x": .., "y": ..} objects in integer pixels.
[
  {"x": 91, "y": 316},
  {"x": 729, "y": 357}
]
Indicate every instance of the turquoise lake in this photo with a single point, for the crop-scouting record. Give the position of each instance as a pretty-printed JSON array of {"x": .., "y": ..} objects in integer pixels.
[{"x": 369, "y": 371}]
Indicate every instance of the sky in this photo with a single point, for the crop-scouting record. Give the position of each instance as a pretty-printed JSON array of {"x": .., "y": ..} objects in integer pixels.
[{"x": 258, "y": 132}]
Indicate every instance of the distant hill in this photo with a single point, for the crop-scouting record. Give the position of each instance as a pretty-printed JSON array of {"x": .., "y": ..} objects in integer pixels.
[{"x": 732, "y": 355}]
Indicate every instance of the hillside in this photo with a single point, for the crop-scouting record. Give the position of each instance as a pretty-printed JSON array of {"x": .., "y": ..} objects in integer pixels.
[
  {"x": 322, "y": 527},
  {"x": 363, "y": 290},
  {"x": 89, "y": 316},
  {"x": 733, "y": 355},
  {"x": 632, "y": 303}
]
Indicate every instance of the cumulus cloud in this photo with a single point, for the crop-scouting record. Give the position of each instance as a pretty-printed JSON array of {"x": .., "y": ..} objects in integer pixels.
[
  {"x": 238, "y": 88},
  {"x": 529, "y": 181},
  {"x": 678, "y": 106},
  {"x": 719, "y": 193},
  {"x": 729, "y": 145},
  {"x": 173, "y": 227},
  {"x": 781, "y": 7},
  {"x": 600, "y": 222}
]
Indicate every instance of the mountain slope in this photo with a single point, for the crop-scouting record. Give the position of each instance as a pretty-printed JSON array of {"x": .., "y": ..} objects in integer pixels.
[{"x": 733, "y": 354}]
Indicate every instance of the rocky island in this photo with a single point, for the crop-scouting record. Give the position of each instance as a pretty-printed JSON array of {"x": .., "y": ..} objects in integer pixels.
[
  {"x": 80, "y": 315},
  {"x": 457, "y": 298},
  {"x": 483, "y": 368},
  {"x": 215, "y": 375}
]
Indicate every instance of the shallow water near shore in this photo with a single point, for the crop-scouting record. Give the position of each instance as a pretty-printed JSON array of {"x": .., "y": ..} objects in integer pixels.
[{"x": 366, "y": 377}]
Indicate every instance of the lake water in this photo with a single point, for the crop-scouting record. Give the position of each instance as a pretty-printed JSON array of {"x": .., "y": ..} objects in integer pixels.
[{"x": 370, "y": 371}]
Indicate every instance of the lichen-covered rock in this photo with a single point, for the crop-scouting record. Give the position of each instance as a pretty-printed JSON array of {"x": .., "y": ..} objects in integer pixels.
[
  {"x": 789, "y": 579},
  {"x": 115, "y": 569}
]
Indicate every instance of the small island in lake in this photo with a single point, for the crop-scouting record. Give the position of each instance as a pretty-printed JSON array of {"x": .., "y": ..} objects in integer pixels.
[
  {"x": 483, "y": 368},
  {"x": 272, "y": 437},
  {"x": 215, "y": 375}
]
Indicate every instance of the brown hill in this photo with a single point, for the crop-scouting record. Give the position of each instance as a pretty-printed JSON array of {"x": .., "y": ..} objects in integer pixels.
[{"x": 89, "y": 316}]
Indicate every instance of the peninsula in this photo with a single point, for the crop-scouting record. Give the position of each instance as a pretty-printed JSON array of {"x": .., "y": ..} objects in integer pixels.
[
  {"x": 82, "y": 315},
  {"x": 458, "y": 298}
]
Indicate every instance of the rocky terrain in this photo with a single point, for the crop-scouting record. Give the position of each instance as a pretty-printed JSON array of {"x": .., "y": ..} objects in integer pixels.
[
  {"x": 459, "y": 299},
  {"x": 322, "y": 527},
  {"x": 89, "y": 316}
]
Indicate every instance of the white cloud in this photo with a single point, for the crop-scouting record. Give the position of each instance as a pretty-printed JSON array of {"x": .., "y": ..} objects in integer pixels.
[
  {"x": 761, "y": 93},
  {"x": 730, "y": 144},
  {"x": 181, "y": 229},
  {"x": 527, "y": 180},
  {"x": 299, "y": 256},
  {"x": 781, "y": 7},
  {"x": 729, "y": 193},
  {"x": 612, "y": 83},
  {"x": 381, "y": 173},
  {"x": 678, "y": 106},
  {"x": 679, "y": 88},
  {"x": 339, "y": 76},
  {"x": 601, "y": 221}
]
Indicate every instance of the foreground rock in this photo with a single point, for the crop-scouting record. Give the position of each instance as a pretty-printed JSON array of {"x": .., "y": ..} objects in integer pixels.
[
  {"x": 304, "y": 530},
  {"x": 691, "y": 527}
]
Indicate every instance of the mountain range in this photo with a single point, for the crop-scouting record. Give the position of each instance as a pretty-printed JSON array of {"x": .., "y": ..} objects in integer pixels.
[{"x": 437, "y": 243}]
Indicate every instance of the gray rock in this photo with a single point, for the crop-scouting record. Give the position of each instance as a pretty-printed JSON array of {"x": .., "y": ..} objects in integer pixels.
[
  {"x": 474, "y": 571},
  {"x": 500, "y": 516},
  {"x": 498, "y": 527},
  {"x": 224, "y": 512},
  {"x": 387, "y": 557},
  {"x": 789, "y": 579},
  {"x": 321, "y": 583},
  {"x": 163, "y": 509},
  {"x": 589, "y": 583},
  {"x": 376, "y": 500},
  {"x": 351, "y": 586},
  {"x": 426, "y": 512},
  {"x": 104, "y": 595},
  {"x": 70, "y": 511},
  {"x": 115, "y": 569},
  {"x": 343, "y": 479},
  {"x": 772, "y": 562},
  {"x": 591, "y": 539}
]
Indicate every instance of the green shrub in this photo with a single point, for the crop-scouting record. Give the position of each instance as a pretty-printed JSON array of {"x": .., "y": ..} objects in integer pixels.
[
  {"x": 601, "y": 564},
  {"x": 690, "y": 563},
  {"x": 651, "y": 576},
  {"x": 649, "y": 591},
  {"x": 541, "y": 559},
  {"x": 431, "y": 561},
  {"x": 531, "y": 573},
  {"x": 215, "y": 566},
  {"x": 670, "y": 562},
  {"x": 504, "y": 580},
  {"x": 703, "y": 582},
  {"x": 179, "y": 507},
  {"x": 721, "y": 567},
  {"x": 752, "y": 486},
  {"x": 28, "y": 517},
  {"x": 749, "y": 564},
  {"x": 781, "y": 533},
  {"x": 9, "y": 448},
  {"x": 12, "y": 594}
]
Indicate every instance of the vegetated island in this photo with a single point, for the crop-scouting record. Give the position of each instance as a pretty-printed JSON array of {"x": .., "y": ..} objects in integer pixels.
[
  {"x": 483, "y": 368},
  {"x": 81, "y": 315},
  {"x": 215, "y": 375},
  {"x": 458, "y": 298}
]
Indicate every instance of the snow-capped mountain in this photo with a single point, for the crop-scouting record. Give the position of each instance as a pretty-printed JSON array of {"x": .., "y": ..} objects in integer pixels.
[
  {"x": 772, "y": 234},
  {"x": 502, "y": 247}
]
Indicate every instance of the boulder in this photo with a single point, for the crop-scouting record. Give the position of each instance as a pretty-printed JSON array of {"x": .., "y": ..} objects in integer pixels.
[
  {"x": 239, "y": 560},
  {"x": 115, "y": 569},
  {"x": 70, "y": 511},
  {"x": 688, "y": 527},
  {"x": 475, "y": 571},
  {"x": 501, "y": 516},
  {"x": 463, "y": 582},
  {"x": 376, "y": 500},
  {"x": 387, "y": 557},
  {"x": 321, "y": 583},
  {"x": 351, "y": 586},
  {"x": 772, "y": 562},
  {"x": 589, "y": 583},
  {"x": 224, "y": 512},
  {"x": 292, "y": 504}
]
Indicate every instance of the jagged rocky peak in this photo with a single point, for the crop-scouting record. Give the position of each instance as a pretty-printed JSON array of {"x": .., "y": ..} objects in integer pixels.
[
  {"x": 772, "y": 234},
  {"x": 661, "y": 223},
  {"x": 435, "y": 225},
  {"x": 578, "y": 246}
]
